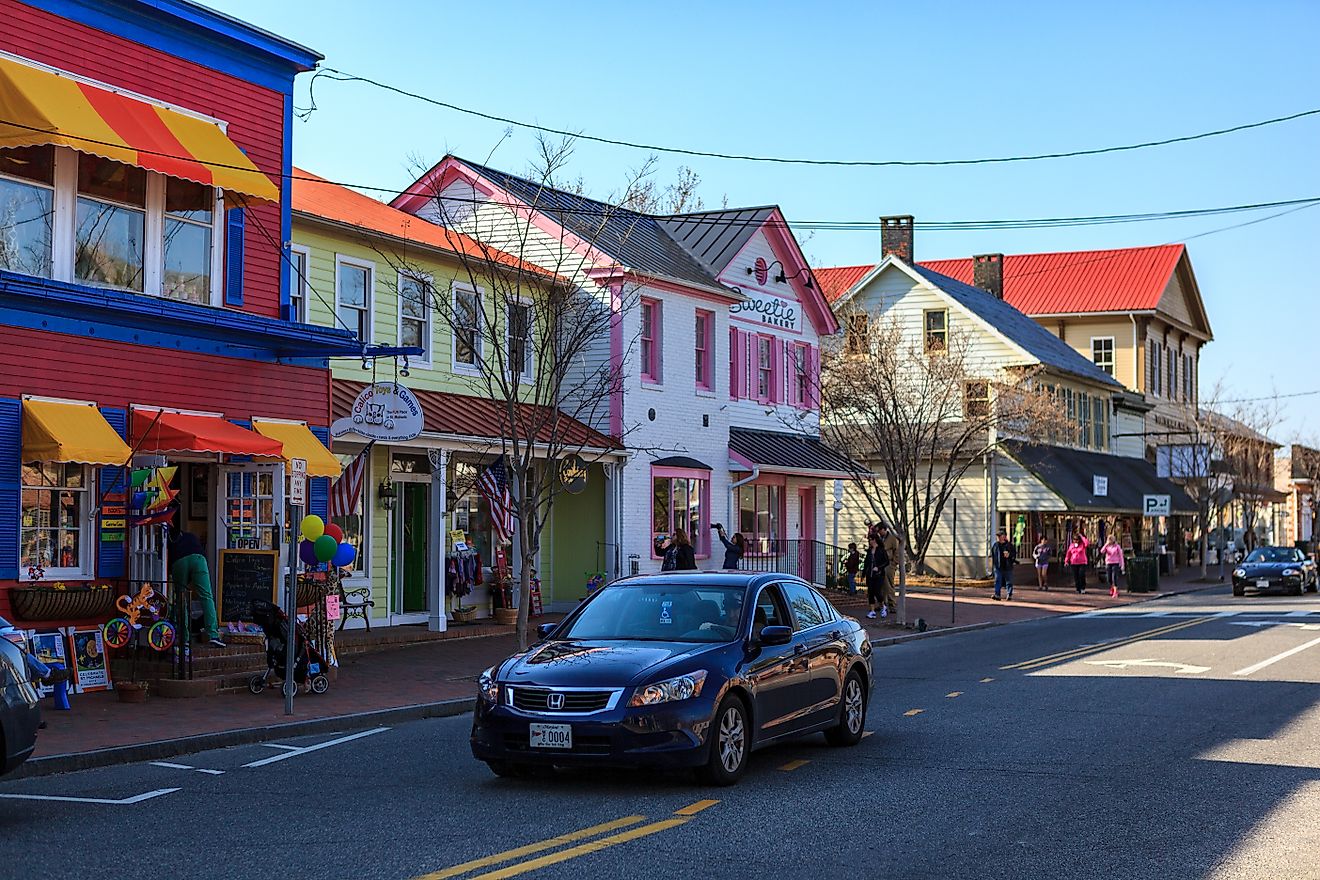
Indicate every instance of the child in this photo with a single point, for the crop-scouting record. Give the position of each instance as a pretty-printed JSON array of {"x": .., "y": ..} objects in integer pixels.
[{"x": 851, "y": 563}]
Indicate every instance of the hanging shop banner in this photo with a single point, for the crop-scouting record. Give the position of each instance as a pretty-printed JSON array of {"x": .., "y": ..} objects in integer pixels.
[
  {"x": 573, "y": 473},
  {"x": 384, "y": 411},
  {"x": 89, "y": 660}
]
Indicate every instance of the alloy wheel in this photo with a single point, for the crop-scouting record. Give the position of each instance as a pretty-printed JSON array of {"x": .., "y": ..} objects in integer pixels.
[
  {"x": 732, "y": 739},
  {"x": 853, "y": 705}
]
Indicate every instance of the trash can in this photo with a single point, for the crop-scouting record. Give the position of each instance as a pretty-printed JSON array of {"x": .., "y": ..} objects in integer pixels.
[
  {"x": 1143, "y": 574},
  {"x": 1166, "y": 561}
]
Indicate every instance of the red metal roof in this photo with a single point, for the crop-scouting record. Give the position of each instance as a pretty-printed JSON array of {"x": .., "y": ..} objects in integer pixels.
[
  {"x": 321, "y": 198},
  {"x": 466, "y": 416},
  {"x": 1120, "y": 280},
  {"x": 1068, "y": 282}
]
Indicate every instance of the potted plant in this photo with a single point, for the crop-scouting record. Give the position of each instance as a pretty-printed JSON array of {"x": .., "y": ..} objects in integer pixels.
[
  {"x": 59, "y": 601},
  {"x": 131, "y": 691}
]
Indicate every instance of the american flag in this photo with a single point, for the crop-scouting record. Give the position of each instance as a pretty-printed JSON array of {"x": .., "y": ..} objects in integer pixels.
[
  {"x": 494, "y": 487},
  {"x": 344, "y": 492}
]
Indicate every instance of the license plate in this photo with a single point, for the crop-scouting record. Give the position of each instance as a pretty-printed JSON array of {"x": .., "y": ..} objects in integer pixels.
[
  {"x": 552, "y": 736},
  {"x": 1262, "y": 585}
]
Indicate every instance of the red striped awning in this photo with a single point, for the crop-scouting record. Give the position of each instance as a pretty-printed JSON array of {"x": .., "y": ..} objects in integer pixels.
[{"x": 166, "y": 432}]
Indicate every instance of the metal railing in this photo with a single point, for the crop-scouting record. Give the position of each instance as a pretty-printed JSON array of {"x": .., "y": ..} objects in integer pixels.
[{"x": 814, "y": 561}]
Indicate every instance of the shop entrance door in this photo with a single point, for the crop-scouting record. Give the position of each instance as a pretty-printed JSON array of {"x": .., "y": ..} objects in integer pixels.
[
  {"x": 411, "y": 526},
  {"x": 807, "y": 534}
]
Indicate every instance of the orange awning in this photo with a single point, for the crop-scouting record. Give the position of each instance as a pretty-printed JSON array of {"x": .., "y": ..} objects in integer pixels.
[
  {"x": 300, "y": 442},
  {"x": 181, "y": 432},
  {"x": 55, "y": 430},
  {"x": 40, "y": 107}
]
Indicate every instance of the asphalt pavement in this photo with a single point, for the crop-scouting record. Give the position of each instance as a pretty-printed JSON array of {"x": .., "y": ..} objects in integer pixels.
[{"x": 1165, "y": 742}]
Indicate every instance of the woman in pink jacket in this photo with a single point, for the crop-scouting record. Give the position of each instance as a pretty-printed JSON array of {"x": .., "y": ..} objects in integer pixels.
[
  {"x": 1075, "y": 557},
  {"x": 1112, "y": 554}
]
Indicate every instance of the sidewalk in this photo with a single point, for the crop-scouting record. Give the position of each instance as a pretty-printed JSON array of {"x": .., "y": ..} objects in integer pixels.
[{"x": 437, "y": 671}]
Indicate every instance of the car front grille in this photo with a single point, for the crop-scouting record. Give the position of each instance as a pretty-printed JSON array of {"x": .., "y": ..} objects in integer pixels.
[{"x": 534, "y": 699}]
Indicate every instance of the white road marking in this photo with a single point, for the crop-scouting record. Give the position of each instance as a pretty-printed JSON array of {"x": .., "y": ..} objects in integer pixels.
[
  {"x": 1156, "y": 614},
  {"x": 186, "y": 767},
  {"x": 1256, "y": 667},
  {"x": 1298, "y": 614},
  {"x": 316, "y": 748},
  {"x": 279, "y": 746},
  {"x": 1260, "y": 623},
  {"x": 135, "y": 799},
  {"x": 1149, "y": 663}
]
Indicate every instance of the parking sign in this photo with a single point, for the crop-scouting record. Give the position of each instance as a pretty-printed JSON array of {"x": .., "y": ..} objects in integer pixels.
[
  {"x": 298, "y": 481},
  {"x": 1155, "y": 505}
]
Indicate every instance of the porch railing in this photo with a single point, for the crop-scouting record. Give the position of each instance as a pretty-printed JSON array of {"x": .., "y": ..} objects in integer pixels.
[{"x": 814, "y": 561}]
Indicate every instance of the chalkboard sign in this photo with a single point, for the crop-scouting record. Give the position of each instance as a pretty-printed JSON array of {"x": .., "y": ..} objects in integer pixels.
[{"x": 244, "y": 577}]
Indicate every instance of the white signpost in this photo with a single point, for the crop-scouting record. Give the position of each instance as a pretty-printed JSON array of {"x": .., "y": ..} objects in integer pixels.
[
  {"x": 298, "y": 481},
  {"x": 1156, "y": 505}
]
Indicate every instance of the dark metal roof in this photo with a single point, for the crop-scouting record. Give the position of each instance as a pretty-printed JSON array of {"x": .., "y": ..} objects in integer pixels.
[
  {"x": 681, "y": 461},
  {"x": 1070, "y": 474},
  {"x": 638, "y": 241},
  {"x": 1040, "y": 343},
  {"x": 715, "y": 237},
  {"x": 790, "y": 453}
]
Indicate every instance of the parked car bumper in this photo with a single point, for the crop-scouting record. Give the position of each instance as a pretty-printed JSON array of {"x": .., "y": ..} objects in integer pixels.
[
  {"x": 1275, "y": 584},
  {"x": 667, "y": 735},
  {"x": 20, "y": 721}
]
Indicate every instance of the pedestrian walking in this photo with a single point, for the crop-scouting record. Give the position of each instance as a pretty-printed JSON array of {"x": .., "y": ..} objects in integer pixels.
[
  {"x": 851, "y": 564},
  {"x": 1042, "y": 556},
  {"x": 1075, "y": 558},
  {"x": 1003, "y": 556},
  {"x": 889, "y": 544},
  {"x": 733, "y": 550},
  {"x": 874, "y": 571},
  {"x": 1112, "y": 554}
]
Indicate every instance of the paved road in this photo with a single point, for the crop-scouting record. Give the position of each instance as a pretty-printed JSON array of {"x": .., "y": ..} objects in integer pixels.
[{"x": 1174, "y": 739}]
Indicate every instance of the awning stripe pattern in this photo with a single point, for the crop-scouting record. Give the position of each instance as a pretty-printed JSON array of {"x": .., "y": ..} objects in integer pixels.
[
  {"x": 40, "y": 107},
  {"x": 300, "y": 442},
  {"x": 72, "y": 432},
  {"x": 187, "y": 432}
]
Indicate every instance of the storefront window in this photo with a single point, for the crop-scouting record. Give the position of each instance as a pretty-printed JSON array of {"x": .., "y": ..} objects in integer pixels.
[
  {"x": 354, "y": 526},
  {"x": 760, "y": 516},
  {"x": 680, "y": 503},
  {"x": 110, "y": 229},
  {"x": 250, "y": 510},
  {"x": 54, "y": 519},
  {"x": 189, "y": 217},
  {"x": 27, "y": 176}
]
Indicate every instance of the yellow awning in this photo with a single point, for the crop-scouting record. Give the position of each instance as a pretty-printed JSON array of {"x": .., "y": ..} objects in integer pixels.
[
  {"x": 299, "y": 442},
  {"x": 76, "y": 432},
  {"x": 40, "y": 107}
]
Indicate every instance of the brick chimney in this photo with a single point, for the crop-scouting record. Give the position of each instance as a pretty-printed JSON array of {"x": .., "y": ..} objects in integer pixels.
[
  {"x": 988, "y": 273},
  {"x": 896, "y": 237}
]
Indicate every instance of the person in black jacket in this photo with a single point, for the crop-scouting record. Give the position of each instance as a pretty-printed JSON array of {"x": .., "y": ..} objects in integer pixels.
[
  {"x": 877, "y": 560},
  {"x": 686, "y": 558},
  {"x": 733, "y": 550}
]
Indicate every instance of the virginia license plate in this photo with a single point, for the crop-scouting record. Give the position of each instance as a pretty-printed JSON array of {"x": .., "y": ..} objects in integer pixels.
[
  {"x": 1262, "y": 585},
  {"x": 552, "y": 736}
]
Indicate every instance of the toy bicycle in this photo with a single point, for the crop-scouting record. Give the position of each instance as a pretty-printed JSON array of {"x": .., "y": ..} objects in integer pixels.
[{"x": 118, "y": 631}]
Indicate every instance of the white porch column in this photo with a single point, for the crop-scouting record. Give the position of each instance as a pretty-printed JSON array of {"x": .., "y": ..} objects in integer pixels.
[
  {"x": 613, "y": 539},
  {"x": 436, "y": 619}
]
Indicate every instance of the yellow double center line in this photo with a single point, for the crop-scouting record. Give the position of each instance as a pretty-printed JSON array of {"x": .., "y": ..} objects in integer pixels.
[
  {"x": 1063, "y": 656},
  {"x": 680, "y": 817}
]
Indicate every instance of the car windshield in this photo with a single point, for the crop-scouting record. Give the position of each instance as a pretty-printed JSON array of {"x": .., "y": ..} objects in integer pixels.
[
  {"x": 660, "y": 613},
  {"x": 1272, "y": 554}
]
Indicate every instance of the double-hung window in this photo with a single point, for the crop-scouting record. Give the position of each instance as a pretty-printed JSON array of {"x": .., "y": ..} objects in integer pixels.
[
  {"x": 800, "y": 378},
  {"x": 1187, "y": 378},
  {"x": 354, "y": 282},
  {"x": 705, "y": 349},
  {"x": 110, "y": 232},
  {"x": 1171, "y": 381},
  {"x": 650, "y": 341},
  {"x": 190, "y": 211},
  {"x": 936, "y": 322},
  {"x": 300, "y": 261},
  {"x": 976, "y": 400},
  {"x": 467, "y": 327},
  {"x": 1153, "y": 371},
  {"x": 519, "y": 320},
  {"x": 55, "y": 524},
  {"x": 1102, "y": 353},
  {"x": 415, "y": 313},
  {"x": 27, "y": 210},
  {"x": 765, "y": 368}
]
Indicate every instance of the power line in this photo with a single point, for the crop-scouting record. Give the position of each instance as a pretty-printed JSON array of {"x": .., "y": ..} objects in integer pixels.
[
  {"x": 1268, "y": 397},
  {"x": 336, "y": 75}
]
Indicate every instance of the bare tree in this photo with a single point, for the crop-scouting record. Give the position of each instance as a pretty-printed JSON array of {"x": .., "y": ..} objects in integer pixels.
[
  {"x": 1249, "y": 457},
  {"x": 915, "y": 419}
]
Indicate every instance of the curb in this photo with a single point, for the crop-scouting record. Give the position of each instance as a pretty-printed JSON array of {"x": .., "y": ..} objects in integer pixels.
[
  {"x": 169, "y": 748},
  {"x": 933, "y": 633}
]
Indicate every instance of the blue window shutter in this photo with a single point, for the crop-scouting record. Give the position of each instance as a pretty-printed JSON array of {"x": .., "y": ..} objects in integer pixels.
[
  {"x": 11, "y": 441},
  {"x": 234, "y": 226},
  {"x": 318, "y": 488},
  {"x": 241, "y": 459},
  {"x": 110, "y": 560}
]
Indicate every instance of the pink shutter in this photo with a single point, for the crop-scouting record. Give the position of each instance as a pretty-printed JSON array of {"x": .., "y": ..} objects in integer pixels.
[
  {"x": 734, "y": 370},
  {"x": 746, "y": 342},
  {"x": 813, "y": 377}
]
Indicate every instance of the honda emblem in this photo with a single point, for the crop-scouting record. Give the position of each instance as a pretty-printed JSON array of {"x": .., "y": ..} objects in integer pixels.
[{"x": 555, "y": 701}]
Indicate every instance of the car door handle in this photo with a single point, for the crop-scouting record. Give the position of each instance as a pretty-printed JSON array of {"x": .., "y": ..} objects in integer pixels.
[
  {"x": 836, "y": 634},
  {"x": 799, "y": 648}
]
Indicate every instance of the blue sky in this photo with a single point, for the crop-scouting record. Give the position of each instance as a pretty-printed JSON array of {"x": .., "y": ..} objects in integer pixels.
[{"x": 882, "y": 80}]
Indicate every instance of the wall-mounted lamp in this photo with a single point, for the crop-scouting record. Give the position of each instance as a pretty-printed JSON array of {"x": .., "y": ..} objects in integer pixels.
[
  {"x": 386, "y": 494},
  {"x": 403, "y": 371},
  {"x": 751, "y": 270}
]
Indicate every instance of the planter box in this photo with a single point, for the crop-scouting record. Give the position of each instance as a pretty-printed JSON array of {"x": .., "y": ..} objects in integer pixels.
[
  {"x": 75, "y": 603},
  {"x": 506, "y": 616}
]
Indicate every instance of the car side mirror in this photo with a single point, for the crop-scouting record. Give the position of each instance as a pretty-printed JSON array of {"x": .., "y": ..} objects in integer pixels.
[
  {"x": 543, "y": 630},
  {"x": 775, "y": 635}
]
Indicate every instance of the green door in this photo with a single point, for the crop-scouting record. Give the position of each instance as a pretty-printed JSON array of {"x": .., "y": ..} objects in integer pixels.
[{"x": 414, "y": 502}]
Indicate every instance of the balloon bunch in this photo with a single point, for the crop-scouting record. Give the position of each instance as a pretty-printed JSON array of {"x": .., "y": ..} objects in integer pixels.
[{"x": 323, "y": 542}]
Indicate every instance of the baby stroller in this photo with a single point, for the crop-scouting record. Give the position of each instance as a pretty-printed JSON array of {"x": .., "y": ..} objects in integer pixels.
[{"x": 307, "y": 660}]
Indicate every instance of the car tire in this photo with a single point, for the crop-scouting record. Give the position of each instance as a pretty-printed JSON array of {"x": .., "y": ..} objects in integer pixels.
[
  {"x": 509, "y": 769},
  {"x": 1239, "y": 591},
  {"x": 730, "y": 743},
  {"x": 852, "y": 713},
  {"x": 1297, "y": 590}
]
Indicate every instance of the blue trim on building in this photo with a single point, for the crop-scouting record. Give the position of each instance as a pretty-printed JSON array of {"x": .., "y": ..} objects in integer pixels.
[
  {"x": 11, "y": 485},
  {"x": 80, "y": 310},
  {"x": 286, "y": 213},
  {"x": 195, "y": 34},
  {"x": 111, "y": 555},
  {"x": 235, "y": 248},
  {"x": 318, "y": 488}
]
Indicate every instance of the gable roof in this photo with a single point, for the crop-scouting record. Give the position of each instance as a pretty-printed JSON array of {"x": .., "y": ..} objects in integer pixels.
[
  {"x": 317, "y": 197},
  {"x": 835, "y": 281},
  {"x": 715, "y": 237},
  {"x": 636, "y": 240}
]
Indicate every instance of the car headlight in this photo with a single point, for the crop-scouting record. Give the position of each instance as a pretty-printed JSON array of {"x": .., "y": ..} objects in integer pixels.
[
  {"x": 1240, "y": 573},
  {"x": 683, "y": 687},
  {"x": 1291, "y": 572},
  {"x": 487, "y": 686}
]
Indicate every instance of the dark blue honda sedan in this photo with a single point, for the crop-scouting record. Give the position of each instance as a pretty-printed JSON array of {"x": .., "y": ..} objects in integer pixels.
[{"x": 677, "y": 670}]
